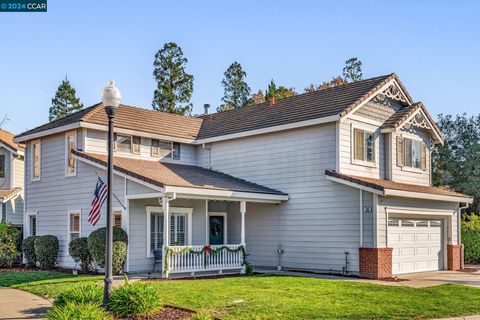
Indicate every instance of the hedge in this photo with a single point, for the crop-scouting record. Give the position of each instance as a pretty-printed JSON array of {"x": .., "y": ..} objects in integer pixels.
[
  {"x": 9, "y": 237},
  {"x": 78, "y": 249},
  {"x": 471, "y": 238},
  {"x": 96, "y": 246},
  {"x": 28, "y": 248},
  {"x": 46, "y": 251}
]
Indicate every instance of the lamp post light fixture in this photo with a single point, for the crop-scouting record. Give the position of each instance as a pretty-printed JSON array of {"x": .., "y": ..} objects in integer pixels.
[{"x": 111, "y": 99}]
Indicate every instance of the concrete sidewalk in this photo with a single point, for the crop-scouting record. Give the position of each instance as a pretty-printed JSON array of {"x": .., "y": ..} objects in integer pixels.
[{"x": 16, "y": 304}]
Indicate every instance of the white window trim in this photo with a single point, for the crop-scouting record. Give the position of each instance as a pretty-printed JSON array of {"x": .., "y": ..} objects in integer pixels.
[
  {"x": 32, "y": 162},
  {"x": 28, "y": 215},
  {"x": 69, "y": 237},
  {"x": 158, "y": 209},
  {"x": 225, "y": 225},
  {"x": 123, "y": 214},
  {"x": 368, "y": 129},
  {"x": 131, "y": 143},
  {"x": 413, "y": 138},
  {"x": 67, "y": 153},
  {"x": 159, "y": 155}
]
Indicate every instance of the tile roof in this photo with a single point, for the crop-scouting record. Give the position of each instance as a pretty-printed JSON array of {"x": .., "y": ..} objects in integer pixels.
[
  {"x": 318, "y": 104},
  {"x": 177, "y": 175},
  {"x": 307, "y": 106},
  {"x": 382, "y": 185},
  {"x": 7, "y": 138},
  {"x": 9, "y": 193}
]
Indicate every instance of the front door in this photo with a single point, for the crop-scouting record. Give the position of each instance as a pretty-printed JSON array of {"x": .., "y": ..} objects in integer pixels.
[{"x": 217, "y": 230}]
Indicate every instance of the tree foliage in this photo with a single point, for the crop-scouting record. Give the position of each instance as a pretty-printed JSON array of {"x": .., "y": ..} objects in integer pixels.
[
  {"x": 65, "y": 101},
  {"x": 457, "y": 163},
  {"x": 9, "y": 237},
  {"x": 236, "y": 90},
  {"x": 258, "y": 97},
  {"x": 353, "y": 70},
  {"x": 279, "y": 92},
  {"x": 174, "y": 84}
]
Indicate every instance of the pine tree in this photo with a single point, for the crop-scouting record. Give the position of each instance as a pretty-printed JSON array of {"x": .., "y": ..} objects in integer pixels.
[
  {"x": 236, "y": 90},
  {"x": 279, "y": 92},
  {"x": 174, "y": 84},
  {"x": 65, "y": 101},
  {"x": 353, "y": 70}
]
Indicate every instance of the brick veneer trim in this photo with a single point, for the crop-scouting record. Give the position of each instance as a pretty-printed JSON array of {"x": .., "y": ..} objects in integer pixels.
[
  {"x": 375, "y": 263},
  {"x": 454, "y": 257}
]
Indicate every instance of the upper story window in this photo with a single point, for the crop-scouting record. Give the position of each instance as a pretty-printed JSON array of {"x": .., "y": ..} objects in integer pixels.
[
  {"x": 2, "y": 166},
  {"x": 364, "y": 145},
  {"x": 70, "y": 145},
  {"x": 36, "y": 160},
  {"x": 165, "y": 149},
  {"x": 411, "y": 153},
  {"x": 123, "y": 143}
]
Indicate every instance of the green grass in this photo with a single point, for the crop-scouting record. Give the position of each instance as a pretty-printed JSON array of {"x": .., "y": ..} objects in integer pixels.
[
  {"x": 43, "y": 283},
  {"x": 270, "y": 297}
]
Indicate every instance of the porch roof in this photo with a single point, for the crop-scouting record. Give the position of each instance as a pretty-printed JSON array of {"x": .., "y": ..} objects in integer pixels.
[
  {"x": 181, "y": 178},
  {"x": 7, "y": 194},
  {"x": 392, "y": 188}
]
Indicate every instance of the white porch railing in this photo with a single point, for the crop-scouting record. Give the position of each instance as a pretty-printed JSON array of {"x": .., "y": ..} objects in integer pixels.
[{"x": 190, "y": 259}]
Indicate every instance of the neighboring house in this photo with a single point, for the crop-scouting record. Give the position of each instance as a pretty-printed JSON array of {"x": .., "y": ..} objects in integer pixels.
[
  {"x": 337, "y": 180},
  {"x": 11, "y": 180}
]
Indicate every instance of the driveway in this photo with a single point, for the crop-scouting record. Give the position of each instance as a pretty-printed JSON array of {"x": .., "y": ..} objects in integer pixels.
[
  {"x": 16, "y": 304},
  {"x": 435, "y": 278}
]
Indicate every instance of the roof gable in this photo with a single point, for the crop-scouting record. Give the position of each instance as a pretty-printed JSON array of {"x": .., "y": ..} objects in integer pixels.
[{"x": 6, "y": 139}]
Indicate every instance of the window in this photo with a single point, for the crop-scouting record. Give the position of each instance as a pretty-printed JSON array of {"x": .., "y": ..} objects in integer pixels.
[
  {"x": 393, "y": 223},
  {"x": 435, "y": 224},
  {"x": 364, "y": 145},
  {"x": 137, "y": 142},
  {"x": 123, "y": 143},
  {"x": 422, "y": 224},
  {"x": 412, "y": 153},
  {"x": 73, "y": 225},
  {"x": 36, "y": 160},
  {"x": 178, "y": 229},
  {"x": 156, "y": 231},
  {"x": 32, "y": 225},
  {"x": 165, "y": 149},
  {"x": 2, "y": 166},
  {"x": 70, "y": 145},
  {"x": 117, "y": 218},
  {"x": 408, "y": 223}
]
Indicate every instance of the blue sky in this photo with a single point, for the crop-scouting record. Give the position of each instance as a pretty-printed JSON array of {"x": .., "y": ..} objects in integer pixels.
[{"x": 432, "y": 45}]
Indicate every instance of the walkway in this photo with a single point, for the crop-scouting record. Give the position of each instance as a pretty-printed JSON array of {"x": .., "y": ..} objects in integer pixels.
[{"x": 16, "y": 304}]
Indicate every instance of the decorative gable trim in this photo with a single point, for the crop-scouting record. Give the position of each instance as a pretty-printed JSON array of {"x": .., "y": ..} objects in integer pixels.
[{"x": 395, "y": 92}]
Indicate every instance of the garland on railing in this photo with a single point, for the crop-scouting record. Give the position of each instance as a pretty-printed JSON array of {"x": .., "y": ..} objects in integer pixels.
[{"x": 207, "y": 249}]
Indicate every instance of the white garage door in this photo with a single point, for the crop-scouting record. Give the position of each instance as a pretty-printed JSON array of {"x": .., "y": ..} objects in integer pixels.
[{"x": 417, "y": 245}]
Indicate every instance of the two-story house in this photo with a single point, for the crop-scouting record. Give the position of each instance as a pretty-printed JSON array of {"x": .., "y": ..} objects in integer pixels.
[
  {"x": 11, "y": 180},
  {"x": 337, "y": 180}
]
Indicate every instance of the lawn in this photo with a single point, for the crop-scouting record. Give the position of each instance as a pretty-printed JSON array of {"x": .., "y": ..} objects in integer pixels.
[{"x": 270, "y": 297}]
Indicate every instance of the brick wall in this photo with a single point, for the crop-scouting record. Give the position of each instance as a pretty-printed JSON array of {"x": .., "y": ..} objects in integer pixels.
[
  {"x": 454, "y": 257},
  {"x": 375, "y": 263}
]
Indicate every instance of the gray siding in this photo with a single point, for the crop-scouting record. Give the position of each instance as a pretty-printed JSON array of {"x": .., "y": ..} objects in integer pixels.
[
  {"x": 55, "y": 194},
  {"x": 318, "y": 224},
  {"x": 379, "y": 108},
  {"x": 13, "y": 178},
  {"x": 5, "y": 182}
]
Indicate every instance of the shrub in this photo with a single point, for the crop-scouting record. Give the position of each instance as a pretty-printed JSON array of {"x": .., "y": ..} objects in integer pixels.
[
  {"x": 471, "y": 238},
  {"x": 73, "y": 311},
  {"x": 28, "y": 248},
  {"x": 138, "y": 299},
  {"x": 46, "y": 251},
  {"x": 8, "y": 245},
  {"x": 83, "y": 294},
  {"x": 78, "y": 249},
  {"x": 96, "y": 246}
]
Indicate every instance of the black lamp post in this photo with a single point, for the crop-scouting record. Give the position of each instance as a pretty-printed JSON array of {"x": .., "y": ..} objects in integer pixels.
[{"x": 111, "y": 99}]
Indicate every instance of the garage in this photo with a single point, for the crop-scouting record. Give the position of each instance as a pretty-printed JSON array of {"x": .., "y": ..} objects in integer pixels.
[{"x": 417, "y": 244}]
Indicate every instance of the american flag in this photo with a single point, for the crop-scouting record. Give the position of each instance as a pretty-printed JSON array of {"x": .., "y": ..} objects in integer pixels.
[{"x": 97, "y": 202}]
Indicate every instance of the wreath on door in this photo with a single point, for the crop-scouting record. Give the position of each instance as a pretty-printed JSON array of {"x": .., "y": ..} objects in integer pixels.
[{"x": 215, "y": 228}]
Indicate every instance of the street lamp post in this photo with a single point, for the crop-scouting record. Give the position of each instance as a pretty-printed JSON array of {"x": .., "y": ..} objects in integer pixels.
[{"x": 111, "y": 99}]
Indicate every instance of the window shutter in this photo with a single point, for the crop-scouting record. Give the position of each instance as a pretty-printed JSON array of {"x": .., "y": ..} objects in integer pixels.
[
  {"x": 154, "y": 152},
  {"x": 136, "y": 141},
  {"x": 176, "y": 151},
  {"x": 423, "y": 159},
  {"x": 399, "y": 151}
]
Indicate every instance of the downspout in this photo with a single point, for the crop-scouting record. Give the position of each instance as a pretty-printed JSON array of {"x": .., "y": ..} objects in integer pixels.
[
  {"x": 361, "y": 218},
  {"x": 459, "y": 234}
]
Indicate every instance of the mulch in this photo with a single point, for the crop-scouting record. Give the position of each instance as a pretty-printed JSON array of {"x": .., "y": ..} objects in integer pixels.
[
  {"x": 469, "y": 270},
  {"x": 393, "y": 279},
  {"x": 167, "y": 313}
]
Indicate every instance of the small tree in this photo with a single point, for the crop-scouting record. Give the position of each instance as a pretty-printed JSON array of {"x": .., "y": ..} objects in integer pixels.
[
  {"x": 353, "y": 70},
  {"x": 65, "y": 101},
  {"x": 278, "y": 92},
  {"x": 236, "y": 90},
  {"x": 8, "y": 245},
  {"x": 174, "y": 84}
]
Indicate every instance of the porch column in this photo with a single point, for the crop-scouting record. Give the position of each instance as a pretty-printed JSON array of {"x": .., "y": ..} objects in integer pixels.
[
  {"x": 166, "y": 232},
  {"x": 243, "y": 210}
]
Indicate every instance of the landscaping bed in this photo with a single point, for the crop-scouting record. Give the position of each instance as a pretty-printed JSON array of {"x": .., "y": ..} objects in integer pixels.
[{"x": 167, "y": 313}]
